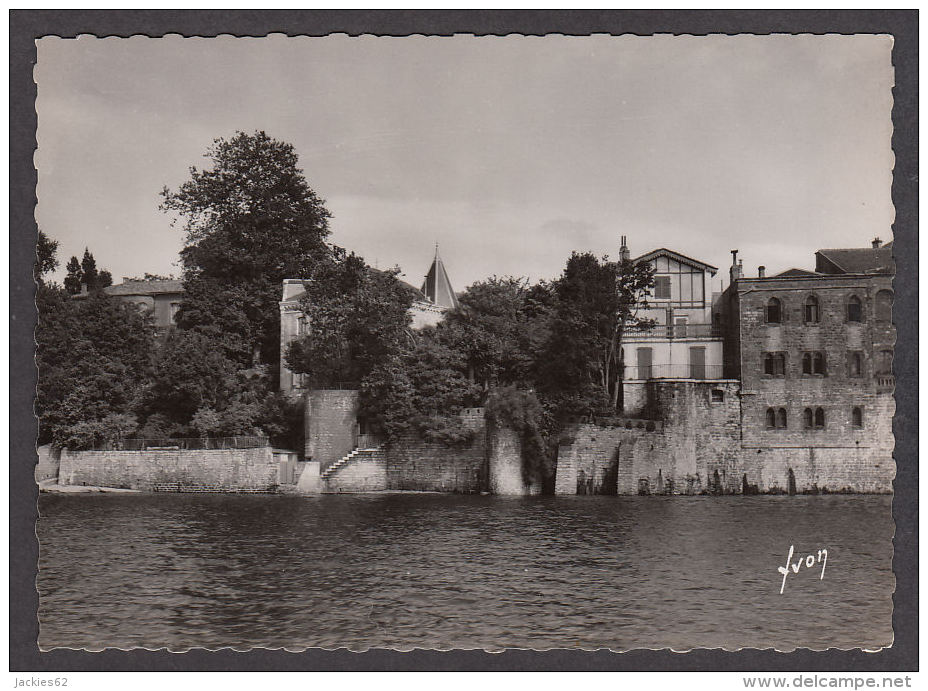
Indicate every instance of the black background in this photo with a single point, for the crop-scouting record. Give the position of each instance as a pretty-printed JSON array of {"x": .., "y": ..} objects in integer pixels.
[{"x": 26, "y": 26}]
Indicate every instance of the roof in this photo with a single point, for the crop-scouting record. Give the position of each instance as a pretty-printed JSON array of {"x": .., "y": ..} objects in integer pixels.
[
  {"x": 417, "y": 294},
  {"x": 146, "y": 288},
  {"x": 862, "y": 260},
  {"x": 682, "y": 258},
  {"x": 796, "y": 273},
  {"x": 437, "y": 287}
]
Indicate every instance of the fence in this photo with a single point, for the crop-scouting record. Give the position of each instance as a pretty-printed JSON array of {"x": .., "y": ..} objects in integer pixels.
[
  {"x": 678, "y": 371},
  {"x": 671, "y": 331},
  {"x": 193, "y": 443}
]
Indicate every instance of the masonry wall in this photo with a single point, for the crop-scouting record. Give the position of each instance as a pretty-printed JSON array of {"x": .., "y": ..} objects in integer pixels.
[
  {"x": 221, "y": 470},
  {"x": 330, "y": 424},
  {"x": 417, "y": 465},
  {"x": 840, "y": 456},
  {"x": 365, "y": 473},
  {"x": 47, "y": 466}
]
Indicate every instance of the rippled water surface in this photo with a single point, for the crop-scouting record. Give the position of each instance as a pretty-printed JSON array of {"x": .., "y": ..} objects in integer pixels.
[{"x": 442, "y": 571}]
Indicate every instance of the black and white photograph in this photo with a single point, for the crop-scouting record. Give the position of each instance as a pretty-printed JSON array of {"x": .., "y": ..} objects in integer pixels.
[{"x": 465, "y": 342}]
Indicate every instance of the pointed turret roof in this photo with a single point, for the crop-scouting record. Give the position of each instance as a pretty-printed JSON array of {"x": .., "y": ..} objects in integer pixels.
[{"x": 437, "y": 286}]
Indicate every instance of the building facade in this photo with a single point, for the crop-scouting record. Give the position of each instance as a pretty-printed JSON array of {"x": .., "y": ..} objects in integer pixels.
[
  {"x": 159, "y": 297},
  {"x": 686, "y": 341},
  {"x": 813, "y": 351}
]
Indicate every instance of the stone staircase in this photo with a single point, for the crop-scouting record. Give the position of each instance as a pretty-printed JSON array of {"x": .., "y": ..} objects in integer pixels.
[{"x": 345, "y": 460}]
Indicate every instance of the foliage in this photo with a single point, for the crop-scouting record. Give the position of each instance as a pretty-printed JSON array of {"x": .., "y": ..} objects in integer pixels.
[
  {"x": 596, "y": 302},
  {"x": 85, "y": 273},
  {"x": 251, "y": 220},
  {"x": 498, "y": 330},
  {"x": 89, "y": 273},
  {"x": 74, "y": 277},
  {"x": 94, "y": 358},
  {"x": 46, "y": 251},
  {"x": 152, "y": 277},
  {"x": 358, "y": 317},
  {"x": 520, "y": 410}
]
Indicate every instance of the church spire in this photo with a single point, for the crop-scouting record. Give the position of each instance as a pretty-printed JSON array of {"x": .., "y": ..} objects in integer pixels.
[{"x": 437, "y": 286}]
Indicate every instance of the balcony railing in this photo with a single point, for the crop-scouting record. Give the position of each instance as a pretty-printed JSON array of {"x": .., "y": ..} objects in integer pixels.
[
  {"x": 680, "y": 371},
  {"x": 885, "y": 383},
  {"x": 671, "y": 331}
]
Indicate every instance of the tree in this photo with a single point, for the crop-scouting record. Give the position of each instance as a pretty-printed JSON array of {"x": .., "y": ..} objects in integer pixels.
[
  {"x": 74, "y": 278},
  {"x": 46, "y": 251},
  {"x": 498, "y": 330},
  {"x": 89, "y": 270},
  {"x": 597, "y": 302},
  {"x": 358, "y": 317},
  {"x": 94, "y": 359},
  {"x": 104, "y": 279},
  {"x": 251, "y": 220}
]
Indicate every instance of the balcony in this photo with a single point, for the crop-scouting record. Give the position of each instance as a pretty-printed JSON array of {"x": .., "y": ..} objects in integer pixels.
[
  {"x": 674, "y": 331},
  {"x": 885, "y": 383},
  {"x": 678, "y": 371}
]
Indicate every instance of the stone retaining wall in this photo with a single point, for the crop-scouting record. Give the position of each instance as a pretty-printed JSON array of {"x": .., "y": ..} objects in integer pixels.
[{"x": 206, "y": 470}]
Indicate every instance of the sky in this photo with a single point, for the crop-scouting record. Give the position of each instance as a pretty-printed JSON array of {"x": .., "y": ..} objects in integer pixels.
[{"x": 508, "y": 152}]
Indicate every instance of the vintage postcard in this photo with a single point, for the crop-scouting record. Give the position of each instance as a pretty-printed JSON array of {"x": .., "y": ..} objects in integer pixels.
[{"x": 465, "y": 342}]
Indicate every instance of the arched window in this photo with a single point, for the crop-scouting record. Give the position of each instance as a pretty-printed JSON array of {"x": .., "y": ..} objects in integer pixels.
[
  {"x": 884, "y": 362},
  {"x": 818, "y": 363},
  {"x": 854, "y": 309},
  {"x": 884, "y": 306},
  {"x": 771, "y": 418},
  {"x": 781, "y": 418},
  {"x": 808, "y": 419},
  {"x": 819, "y": 418},
  {"x": 773, "y": 313},
  {"x": 775, "y": 364},
  {"x": 811, "y": 311},
  {"x": 807, "y": 363},
  {"x": 857, "y": 417},
  {"x": 855, "y": 364}
]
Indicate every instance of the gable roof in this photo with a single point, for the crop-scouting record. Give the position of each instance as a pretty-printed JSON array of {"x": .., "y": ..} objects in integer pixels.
[
  {"x": 796, "y": 273},
  {"x": 857, "y": 260},
  {"x": 156, "y": 287},
  {"x": 682, "y": 258}
]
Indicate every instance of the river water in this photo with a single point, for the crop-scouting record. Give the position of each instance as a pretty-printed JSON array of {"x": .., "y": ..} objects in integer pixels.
[{"x": 410, "y": 571}]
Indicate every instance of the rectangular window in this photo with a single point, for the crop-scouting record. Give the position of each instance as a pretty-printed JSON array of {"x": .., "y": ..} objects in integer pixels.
[
  {"x": 855, "y": 361},
  {"x": 679, "y": 327},
  {"x": 644, "y": 363},
  {"x": 662, "y": 287}
]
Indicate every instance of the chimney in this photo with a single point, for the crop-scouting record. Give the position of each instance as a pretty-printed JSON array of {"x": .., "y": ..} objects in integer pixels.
[
  {"x": 761, "y": 271},
  {"x": 624, "y": 254},
  {"x": 877, "y": 243},
  {"x": 735, "y": 271}
]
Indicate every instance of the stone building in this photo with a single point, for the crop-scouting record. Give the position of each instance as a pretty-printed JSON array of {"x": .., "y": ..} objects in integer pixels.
[
  {"x": 813, "y": 351},
  {"x": 160, "y": 297}
]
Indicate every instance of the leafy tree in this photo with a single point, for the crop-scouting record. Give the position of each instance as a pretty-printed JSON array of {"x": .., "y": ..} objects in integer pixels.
[
  {"x": 46, "y": 251},
  {"x": 89, "y": 271},
  {"x": 104, "y": 279},
  {"x": 597, "y": 302},
  {"x": 251, "y": 220},
  {"x": 74, "y": 278},
  {"x": 498, "y": 329},
  {"x": 358, "y": 318},
  {"x": 94, "y": 359}
]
